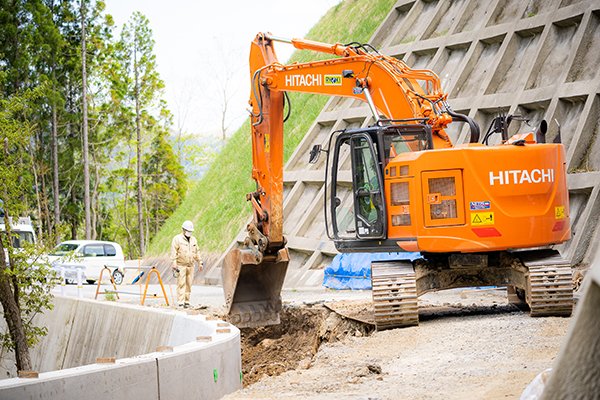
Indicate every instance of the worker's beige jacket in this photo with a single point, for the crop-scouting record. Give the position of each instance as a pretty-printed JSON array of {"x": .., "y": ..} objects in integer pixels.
[{"x": 184, "y": 252}]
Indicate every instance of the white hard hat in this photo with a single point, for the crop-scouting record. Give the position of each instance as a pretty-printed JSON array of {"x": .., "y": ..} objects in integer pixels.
[{"x": 188, "y": 226}]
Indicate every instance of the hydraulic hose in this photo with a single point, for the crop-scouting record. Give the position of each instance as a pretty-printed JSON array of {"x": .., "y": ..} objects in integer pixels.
[{"x": 472, "y": 124}]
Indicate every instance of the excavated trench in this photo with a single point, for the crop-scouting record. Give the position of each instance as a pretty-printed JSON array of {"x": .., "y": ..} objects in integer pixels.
[
  {"x": 291, "y": 345},
  {"x": 273, "y": 350}
]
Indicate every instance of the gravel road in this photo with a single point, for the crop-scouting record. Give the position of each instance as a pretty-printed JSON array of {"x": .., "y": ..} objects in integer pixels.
[{"x": 491, "y": 351}]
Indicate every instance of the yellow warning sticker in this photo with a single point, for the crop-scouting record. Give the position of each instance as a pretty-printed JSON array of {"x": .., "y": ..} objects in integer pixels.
[
  {"x": 482, "y": 218},
  {"x": 267, "y": 143},
  {"x": 559, "y": 212}
]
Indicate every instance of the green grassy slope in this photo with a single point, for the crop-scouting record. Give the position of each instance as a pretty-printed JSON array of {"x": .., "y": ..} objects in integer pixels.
[{"x": 217, "y": 204}]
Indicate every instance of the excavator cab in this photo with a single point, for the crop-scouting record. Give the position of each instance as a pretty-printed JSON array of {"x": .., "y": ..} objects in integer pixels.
[{"x": 357, "y": 205}]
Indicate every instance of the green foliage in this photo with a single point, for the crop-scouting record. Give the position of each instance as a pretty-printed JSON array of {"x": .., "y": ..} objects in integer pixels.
[
  {"x": 34, "y": 279},
  {"x": 109, "y": 296},
  {"x": 194, "y": 155},
  {"x": 165, "y": 182},
  {"x": 16, "y": 130},
  {"x": 131, "y": 99},
  {"x": 41, "y": 106},
  {"x": 31, "y": 279},
  {"x": 217, "y": 203}
]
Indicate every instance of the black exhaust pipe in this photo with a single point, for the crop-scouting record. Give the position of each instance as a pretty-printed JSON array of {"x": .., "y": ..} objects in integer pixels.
[{"x": 540, "y": 133}]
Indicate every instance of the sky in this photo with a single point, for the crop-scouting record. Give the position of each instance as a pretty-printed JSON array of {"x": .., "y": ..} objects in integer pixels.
[{"x": 202, "y": 49}]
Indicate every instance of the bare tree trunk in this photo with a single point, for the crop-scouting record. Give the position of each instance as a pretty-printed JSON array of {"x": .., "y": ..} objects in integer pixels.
[
  {"x": 86, "y": 165},
  {"x": 12, "y": 315},
  {"x": 95, "y": 202},
  {"x": 54, "y": 149},
  {"x": 74, "y": 222},
  {"x": 224, "y": 106},
  {"x": 37, "y": 195},
  {"x": 55, "y": 182},
  {"x": 44, "y": 199},
  {"x": 126, "y": 205},
  {"x": 9, "y": 297},
  {"x": 138, "y": 130}
]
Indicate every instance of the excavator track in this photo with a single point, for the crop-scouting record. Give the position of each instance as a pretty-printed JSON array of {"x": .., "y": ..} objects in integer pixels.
[
  {"x": 550, "y": 290},
  {"x": 394, "y": 294}
]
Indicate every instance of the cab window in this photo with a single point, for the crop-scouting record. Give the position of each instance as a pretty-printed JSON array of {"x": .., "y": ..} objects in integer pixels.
[
  {"x": 64, "y": 248},
  {"x": 20, "y": 238},
  {"x": 109, "y": 250},
  {"x": 93, "y": 250}
]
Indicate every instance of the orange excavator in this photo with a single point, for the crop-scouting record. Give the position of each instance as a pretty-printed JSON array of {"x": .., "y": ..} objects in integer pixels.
[{"x": 479, "y": 214}]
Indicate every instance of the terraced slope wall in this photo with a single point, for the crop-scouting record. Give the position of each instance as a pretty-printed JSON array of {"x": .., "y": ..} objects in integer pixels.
[{"x": 535, "y": 58}]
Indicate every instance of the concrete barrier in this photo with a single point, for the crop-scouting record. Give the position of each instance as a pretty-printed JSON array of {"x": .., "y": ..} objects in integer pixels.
[{"x": 198, "y": 358}]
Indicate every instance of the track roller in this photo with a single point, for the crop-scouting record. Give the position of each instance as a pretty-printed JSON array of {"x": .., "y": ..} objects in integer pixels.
[{"x": 394, "y": 294}]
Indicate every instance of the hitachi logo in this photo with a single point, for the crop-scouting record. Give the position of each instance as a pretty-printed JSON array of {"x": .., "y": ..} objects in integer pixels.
[
  {"x": 521, "y": 176},
  {"x": 304, "y": 80}
]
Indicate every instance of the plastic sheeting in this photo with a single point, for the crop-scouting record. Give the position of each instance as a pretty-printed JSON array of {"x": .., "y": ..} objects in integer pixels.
[{"x": 353, "y": 270}]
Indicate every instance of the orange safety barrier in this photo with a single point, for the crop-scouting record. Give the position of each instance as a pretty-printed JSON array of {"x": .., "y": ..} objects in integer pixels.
[
  {"x": 100, "y": 283},
  {"x": 144, "y": 294}
]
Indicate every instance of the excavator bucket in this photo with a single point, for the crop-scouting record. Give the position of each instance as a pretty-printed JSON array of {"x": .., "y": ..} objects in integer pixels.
[{"x": 253, "y": 288}]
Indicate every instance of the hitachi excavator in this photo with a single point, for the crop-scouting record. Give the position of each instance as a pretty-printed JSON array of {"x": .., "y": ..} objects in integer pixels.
[{"x": 479, "y": 214}]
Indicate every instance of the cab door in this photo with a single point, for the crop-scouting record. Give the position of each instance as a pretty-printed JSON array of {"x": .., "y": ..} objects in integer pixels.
[
  {"x": 357, "y": 206},
  {"x": 94, "y": 260},
  {"x": 367, "y": 186}
]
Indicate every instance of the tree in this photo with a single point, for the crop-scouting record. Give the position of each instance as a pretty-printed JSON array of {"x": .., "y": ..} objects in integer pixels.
[
  {"x": 84, "y": 128},
  {"x": 24, "y": 281},
  {"x": 222, "y": 73},
  {"x": 145, "y": 92},
  {"x": 165, "y": 180},
  {"x": 101, "y": 108}
]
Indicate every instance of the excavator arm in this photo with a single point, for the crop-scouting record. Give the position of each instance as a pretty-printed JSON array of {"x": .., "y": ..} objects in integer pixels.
[
  {"x": 392, "y": 90},
  {"x": 253, "y": 276}
]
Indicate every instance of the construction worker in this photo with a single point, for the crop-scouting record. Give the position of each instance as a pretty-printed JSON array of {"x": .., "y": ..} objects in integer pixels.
[{"x": 184, "y": 254}]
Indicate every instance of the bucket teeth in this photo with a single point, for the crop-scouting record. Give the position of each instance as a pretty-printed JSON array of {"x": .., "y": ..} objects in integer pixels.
[{"x": 252, "y": 287}]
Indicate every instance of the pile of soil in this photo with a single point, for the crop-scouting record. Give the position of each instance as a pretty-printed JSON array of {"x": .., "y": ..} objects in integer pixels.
[{"x": 291, "y": 345}]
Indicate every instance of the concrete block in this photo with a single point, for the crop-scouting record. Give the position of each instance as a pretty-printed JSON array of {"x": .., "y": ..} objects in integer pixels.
[
  {"x": 202, "y": 359},
  {"x": 133, "y": 379},
  {"x": 186, "y": 328},
  {"x": 106, "y": 329},
  {"x": 50, "y": 353},
  {"x": 207, "y": 372}
]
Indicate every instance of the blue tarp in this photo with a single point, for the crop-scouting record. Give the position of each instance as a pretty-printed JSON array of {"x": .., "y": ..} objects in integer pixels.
[{"x": 353, "y": 270}]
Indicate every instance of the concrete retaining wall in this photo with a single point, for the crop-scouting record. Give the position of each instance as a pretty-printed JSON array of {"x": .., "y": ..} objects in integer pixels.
[{"x": 83, "y": 330}]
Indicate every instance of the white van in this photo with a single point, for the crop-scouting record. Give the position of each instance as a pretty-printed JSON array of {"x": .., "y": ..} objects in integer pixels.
[
  {"x": 22, "y": 231},
  {"x": 94, "y": 255}
]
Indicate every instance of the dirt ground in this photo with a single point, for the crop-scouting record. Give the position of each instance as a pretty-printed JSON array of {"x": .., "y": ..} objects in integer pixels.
[
  {"x": 469, "y": 344},
  {"x": 270, "y": 351}
]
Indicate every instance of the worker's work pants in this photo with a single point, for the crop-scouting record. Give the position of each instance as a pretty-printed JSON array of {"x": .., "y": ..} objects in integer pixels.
[{"x": 184, "y": 283}]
